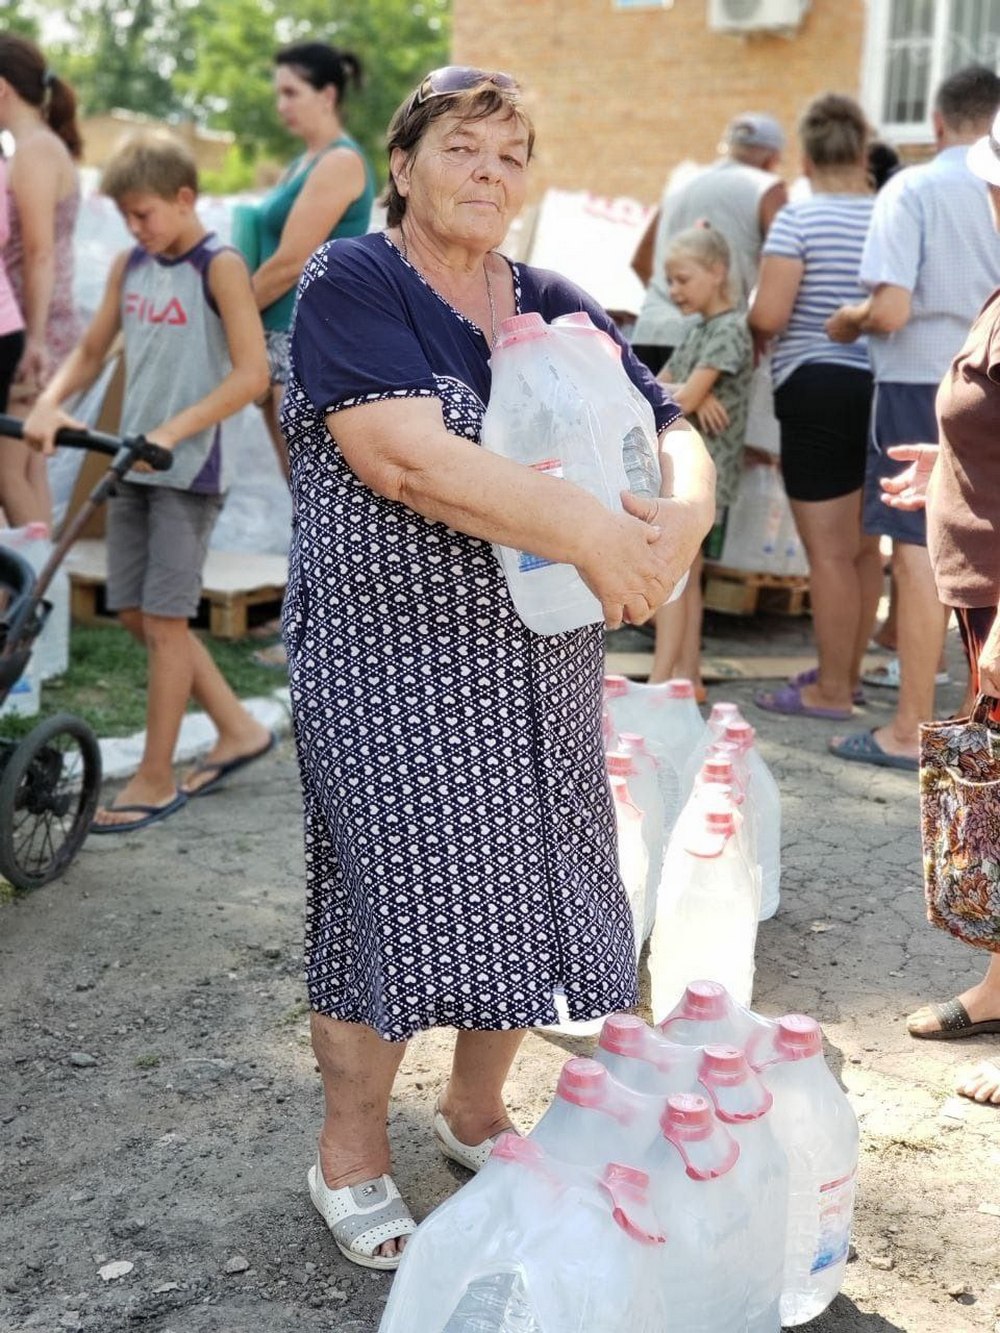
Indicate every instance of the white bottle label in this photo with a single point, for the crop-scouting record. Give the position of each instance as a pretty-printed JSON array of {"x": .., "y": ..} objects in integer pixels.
[
  {"x": 836, "y": 1207},
  {"x": 551, "y": 467}
]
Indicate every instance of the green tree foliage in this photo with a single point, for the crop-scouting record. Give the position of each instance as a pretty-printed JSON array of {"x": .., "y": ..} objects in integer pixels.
[{"x": 212, "y": 59}]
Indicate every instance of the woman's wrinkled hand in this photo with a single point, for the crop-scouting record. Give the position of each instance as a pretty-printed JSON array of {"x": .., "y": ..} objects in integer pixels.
[
  {"x": 711, "y": 416},
  {"x": 634, "y": 562},
  {"x": 908, "y": 490},
  {"x": 32, "y": 370}
]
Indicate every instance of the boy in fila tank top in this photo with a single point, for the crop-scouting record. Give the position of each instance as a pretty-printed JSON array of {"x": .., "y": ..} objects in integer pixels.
[{"x": 194, "y": 355}]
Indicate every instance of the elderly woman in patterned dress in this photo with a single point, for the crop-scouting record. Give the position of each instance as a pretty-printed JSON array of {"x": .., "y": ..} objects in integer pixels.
[{"x": 460, "y": 845}]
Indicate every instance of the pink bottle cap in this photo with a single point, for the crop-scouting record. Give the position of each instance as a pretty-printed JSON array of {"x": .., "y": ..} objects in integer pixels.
[
  {"x": 633, "y": 742},
  {"x": 798, "y": 1037},
  {"x": 707, "y": 1149},
  {"x": 520, "y": 328},
  {"x": 708, "y": 835},
  {"x": 583, "y": 1082},
  {"x": 723, "y": 1064},
  {"x": 738, "y": 1095},
  {"x": 619, "y": 765},
  {"x": 679, "y": 689},
  {"x": 722, "y": 713},
  {"x": 687, "y": 1117},
  {"x": 623, "y": 1034},
  {"x": 717, "y": 768},
  {"x": 704, "y": 1001},
  {"x": 740, "y": 732},
  {"x": 615, "y": 687},
  {"x": 37, "y": 531},
  {"x": 511, "y": 1147}
]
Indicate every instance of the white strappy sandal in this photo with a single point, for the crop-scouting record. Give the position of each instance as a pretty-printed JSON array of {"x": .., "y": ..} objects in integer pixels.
[{"x": 362, "y": 1217}]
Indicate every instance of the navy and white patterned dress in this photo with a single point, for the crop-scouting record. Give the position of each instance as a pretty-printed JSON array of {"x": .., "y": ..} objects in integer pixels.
[{"x": 459, "y": 831}]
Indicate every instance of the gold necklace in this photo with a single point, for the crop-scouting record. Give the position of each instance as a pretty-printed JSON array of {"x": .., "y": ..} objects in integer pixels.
[{"x": 489, "y": 291}]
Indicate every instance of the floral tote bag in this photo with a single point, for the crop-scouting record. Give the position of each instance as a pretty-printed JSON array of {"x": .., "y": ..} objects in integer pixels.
[{"x": 960, "y": 825}]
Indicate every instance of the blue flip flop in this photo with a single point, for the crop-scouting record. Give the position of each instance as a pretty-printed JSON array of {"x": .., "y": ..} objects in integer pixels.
[
  {"x": 861, "y": 747},
  {"x": 219, "y": 772},
  {"x": 151, "y": 814}
]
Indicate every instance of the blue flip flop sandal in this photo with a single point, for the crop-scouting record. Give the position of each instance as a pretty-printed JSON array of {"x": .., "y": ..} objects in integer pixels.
[
  {"x": 861, "y": 747},
  {"x": 151, "y": 814},
  {"x": 219, "y": 772}
]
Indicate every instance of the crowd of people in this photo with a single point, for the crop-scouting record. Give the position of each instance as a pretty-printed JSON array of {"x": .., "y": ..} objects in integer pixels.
[{"x": 459, "y": 830}]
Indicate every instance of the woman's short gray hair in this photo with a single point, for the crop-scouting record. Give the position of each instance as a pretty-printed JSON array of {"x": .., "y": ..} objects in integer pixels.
[{"x": 409, "y": 125}]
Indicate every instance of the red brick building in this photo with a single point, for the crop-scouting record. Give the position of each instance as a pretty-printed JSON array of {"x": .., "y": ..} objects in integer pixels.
[{"x": 622, "y": 90}]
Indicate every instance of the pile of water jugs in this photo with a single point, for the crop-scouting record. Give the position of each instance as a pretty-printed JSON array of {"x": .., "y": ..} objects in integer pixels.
[{"x": 696, "y": 1177}]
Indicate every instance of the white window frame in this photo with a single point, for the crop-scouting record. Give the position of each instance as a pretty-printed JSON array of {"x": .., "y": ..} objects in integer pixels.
[{"x": 875, "y": 69}]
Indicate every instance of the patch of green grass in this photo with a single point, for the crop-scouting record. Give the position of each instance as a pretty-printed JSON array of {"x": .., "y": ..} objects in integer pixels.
[
  {"x": 106, "y": 680},
  {"x": 147, "y": 1062}
]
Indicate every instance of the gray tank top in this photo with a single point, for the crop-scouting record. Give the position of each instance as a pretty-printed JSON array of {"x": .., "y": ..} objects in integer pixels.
[
  {"x": 728, "y": 195},
  {"x": 175, "y": 353}
]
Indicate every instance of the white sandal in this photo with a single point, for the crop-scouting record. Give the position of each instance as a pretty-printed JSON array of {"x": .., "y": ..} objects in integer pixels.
[
  {"x": 470, "y": 1155},
  {"x": 362, "y": 1217}
]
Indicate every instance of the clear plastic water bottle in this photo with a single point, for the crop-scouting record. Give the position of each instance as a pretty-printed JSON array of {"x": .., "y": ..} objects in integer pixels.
[
  {"x": 713, "y": 730},
  {"x": 706, "y": 910},
  {"x": 818, "y": 1130},
  {"x": 633, "y": 855},
  {"x": 645, "y": 1060},
  {"x": 743, "y": 1104},
  {"x": 753, "y": 531},
  {"x": 666, "y": 716},
  {"x": 593, "y": 1119},
  {"x": 707, "y": 1015},
  {"x": 719, "y": 778},
  {"x": 50, "y": 655},
  {"x": 701, "y": 1203},
  {"x": 766, "y": 807},
  {"x": 636, "y": 767}
]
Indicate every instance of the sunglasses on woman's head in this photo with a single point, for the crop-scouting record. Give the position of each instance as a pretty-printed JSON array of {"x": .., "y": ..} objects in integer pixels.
[{"x": 452, "y": 79}]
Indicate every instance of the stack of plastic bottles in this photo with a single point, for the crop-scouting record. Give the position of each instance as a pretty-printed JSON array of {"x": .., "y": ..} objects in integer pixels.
[
  {"x": 761, "y": 536},
  {"x": 699, "y": 825},
  {"x": 697, "y": 1177}
]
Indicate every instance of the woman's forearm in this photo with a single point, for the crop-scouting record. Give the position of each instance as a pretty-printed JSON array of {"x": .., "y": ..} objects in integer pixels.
[
  {"x": 273, "y": 279},
  {"x": 687, "y": 470}
]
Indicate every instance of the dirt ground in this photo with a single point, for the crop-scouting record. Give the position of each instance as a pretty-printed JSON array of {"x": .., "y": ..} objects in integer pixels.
[{"x": 159, "y": 1102}]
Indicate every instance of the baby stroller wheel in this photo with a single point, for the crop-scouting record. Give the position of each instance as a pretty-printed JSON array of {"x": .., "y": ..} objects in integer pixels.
[{"x": 48, "y": 794}]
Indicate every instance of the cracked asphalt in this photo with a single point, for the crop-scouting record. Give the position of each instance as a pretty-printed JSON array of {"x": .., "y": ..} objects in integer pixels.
[{"x": 159, "y": 1102}]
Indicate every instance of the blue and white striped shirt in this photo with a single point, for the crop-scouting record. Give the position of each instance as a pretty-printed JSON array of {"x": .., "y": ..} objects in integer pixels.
[{"x": 826, "y": 233}]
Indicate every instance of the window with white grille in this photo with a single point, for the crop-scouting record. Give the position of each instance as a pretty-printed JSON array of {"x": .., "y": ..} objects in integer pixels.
[{"x": 912, "y": 46}]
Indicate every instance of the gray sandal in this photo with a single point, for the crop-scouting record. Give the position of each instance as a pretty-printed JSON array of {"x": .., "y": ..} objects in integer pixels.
[{"x": 362, "y": 1217}]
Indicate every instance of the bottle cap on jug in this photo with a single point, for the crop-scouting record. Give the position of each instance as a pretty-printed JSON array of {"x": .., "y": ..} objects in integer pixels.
[
  {"x": 687, "y": 1116},
  {"x": 798, "y": 1037},
  {"x": 633, "y": 743},
  {"x": 707, "y": 836},
  {"x": 679, "y": 689},
  {"x": 520, "y": 328},
  {"x": 722, "y": 713},
  {"x": 623, "y": 1034},
  {"x": 619, "y": 764},
  {"x": 583, "y": 1082},
  {"x": 708, "y": 1150},
  {"x": 512, "y": 1147},
  {"x": 704, "y": 1001},
  {"x": 717, "y": 768},
  {"x": 740, "y": 732},
  {"x": 36, "y": 531},
  {"x": 615, "y": 687},
  {"x": 737, "y": 1093}
]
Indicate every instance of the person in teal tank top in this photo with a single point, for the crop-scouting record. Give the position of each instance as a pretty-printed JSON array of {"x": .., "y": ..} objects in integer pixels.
[{"x": 325, "y": 193}]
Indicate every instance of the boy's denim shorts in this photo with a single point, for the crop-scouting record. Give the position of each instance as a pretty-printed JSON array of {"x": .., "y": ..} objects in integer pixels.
[
  {"x": 157, "y": 543},
  {"x": 901, "y": 414}
]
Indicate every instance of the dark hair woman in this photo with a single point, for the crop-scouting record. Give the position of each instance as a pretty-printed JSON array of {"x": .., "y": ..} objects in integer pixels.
[
  {"x": 459, "y": 831},
  {"x": 326, "y": 192},
  {"x": 38, "y": 109}
]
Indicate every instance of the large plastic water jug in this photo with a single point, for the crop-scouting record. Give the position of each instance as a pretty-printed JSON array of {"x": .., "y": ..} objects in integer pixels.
[
  {"x": 666, "y": 716},
  {"x": 753, "y": 532},
  {"x": 713, "y": 731},
  {"x": 724, "y": 772},
  {"x": 635, "y": 766},
  {"x": 633, "y": 855},
  {"x": 706, "y": 910},
  {"x": 532, "y": 1245},
  {"x": 50, "y": 655},
  {"x": 743, "y": 1104},
  {"x": 818, "y": 1130},
  {"x": 593, "y": 1119},
  {"x": 707, "y": 1015},
  {"x": 765, "y": 805},
  {"x": 702, "y": 1206},
  {"x": 643, "y": 1059}
]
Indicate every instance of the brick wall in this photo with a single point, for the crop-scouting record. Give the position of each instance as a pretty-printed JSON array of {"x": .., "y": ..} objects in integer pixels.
[{"x": 620, "y": 96}]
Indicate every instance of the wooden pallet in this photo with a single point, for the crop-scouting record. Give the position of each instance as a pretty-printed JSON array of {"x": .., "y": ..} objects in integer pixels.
[
  {"x": 738, "y": 592},
  {"x": 233, "y": 583}
]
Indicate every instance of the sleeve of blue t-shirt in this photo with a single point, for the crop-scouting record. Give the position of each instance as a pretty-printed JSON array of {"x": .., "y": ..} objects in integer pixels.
[
  {"x": 352, "y": 340},
  {"x": 894, "y": 244},
  {"x": 785, "y": 238}
]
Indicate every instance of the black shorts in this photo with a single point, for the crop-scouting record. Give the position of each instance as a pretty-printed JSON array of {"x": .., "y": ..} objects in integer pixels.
[
  {"x": 824, "y": 413},
  {"x": 652, "y": 355},
  {"x": 11, "y": 347}
]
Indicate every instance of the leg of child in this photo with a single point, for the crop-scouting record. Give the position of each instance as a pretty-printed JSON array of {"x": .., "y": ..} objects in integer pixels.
[
  {"x": 240, "y": 734},
  {"x": 171, "y": 674}
]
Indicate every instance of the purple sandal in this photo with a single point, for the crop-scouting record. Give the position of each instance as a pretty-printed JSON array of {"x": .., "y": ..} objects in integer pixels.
[
  {"x": 811, "y": 677},
  {"x": 787, "y": 699}
]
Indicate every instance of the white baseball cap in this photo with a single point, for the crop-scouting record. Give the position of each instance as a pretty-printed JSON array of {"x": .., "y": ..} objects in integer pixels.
[{"x": 984, "y": 155}]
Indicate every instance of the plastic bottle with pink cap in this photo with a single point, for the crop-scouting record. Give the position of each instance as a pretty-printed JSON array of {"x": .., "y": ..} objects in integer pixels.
[
  {"x": 766, "y": 805},
  {"x": 704, "y": 1211},
  {"x": 743, "y": 1104},
  {"x": 644, "y": 1060},
  {"x": 818, "y": 1130},
  {"x": 706, "y": 909},
  {"x": 717, "y": 782},
  {"x": 633, "y": 854},
  {"x": 593, "y": 1119},
  {"x": 532, "y": 1245},
  {"x": 633, "y": 764},
  {"x": 707, "y": 1015}
]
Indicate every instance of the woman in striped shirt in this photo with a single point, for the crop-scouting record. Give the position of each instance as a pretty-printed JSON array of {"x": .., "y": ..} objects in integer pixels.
[{"x": 823, "y": 390}]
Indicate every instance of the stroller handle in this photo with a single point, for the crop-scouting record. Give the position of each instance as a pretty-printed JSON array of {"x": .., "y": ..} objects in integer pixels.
[{"x": 137, "y": 447}]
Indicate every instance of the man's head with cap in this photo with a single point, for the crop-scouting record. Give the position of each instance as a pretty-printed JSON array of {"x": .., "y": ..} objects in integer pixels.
[{"x": 755, "y": 138}]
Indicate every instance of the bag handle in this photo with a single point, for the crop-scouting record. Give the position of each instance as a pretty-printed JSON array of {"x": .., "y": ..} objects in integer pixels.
[{"x": 981, "y": 709}]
